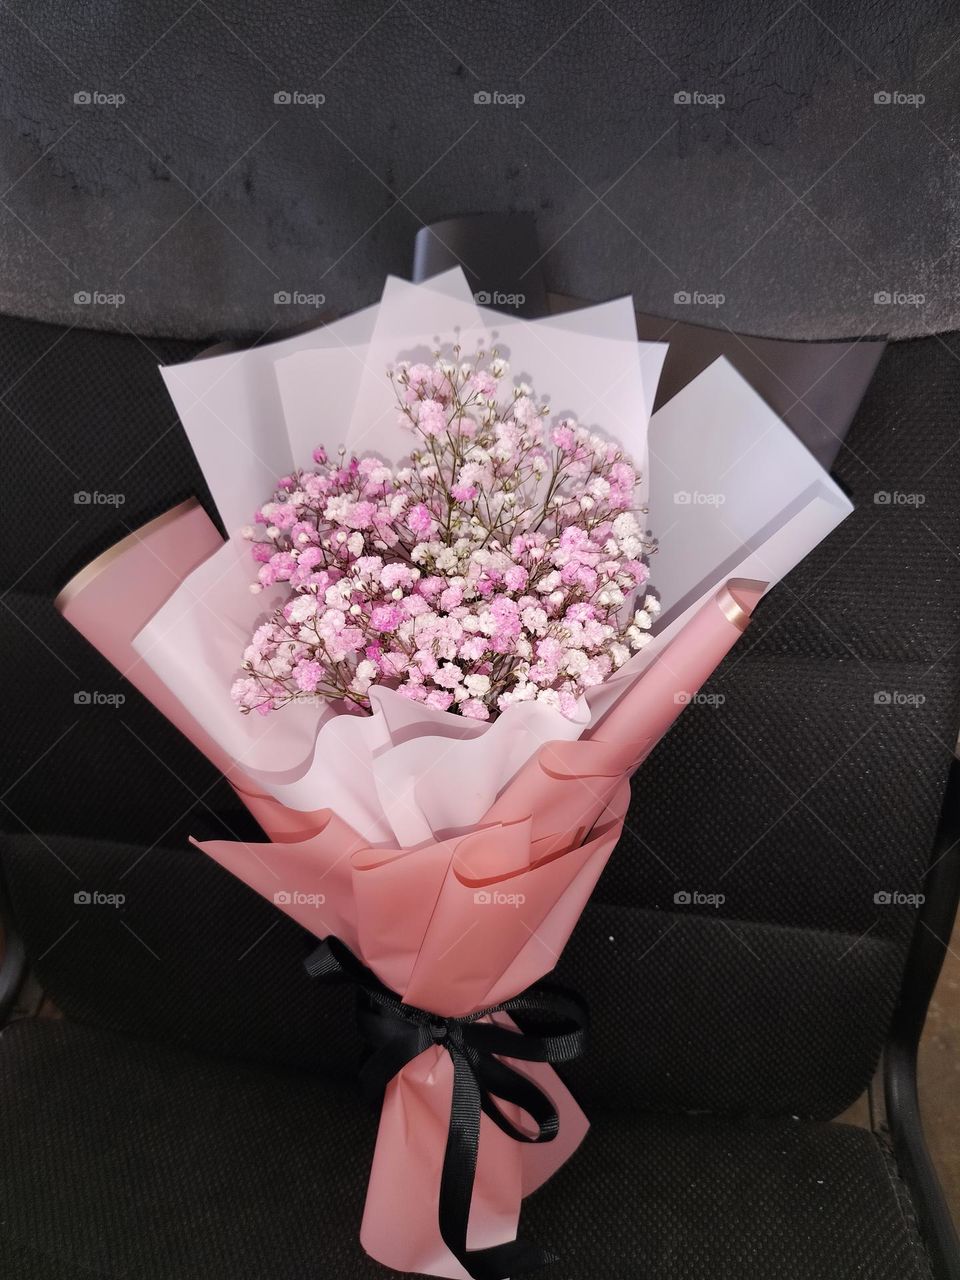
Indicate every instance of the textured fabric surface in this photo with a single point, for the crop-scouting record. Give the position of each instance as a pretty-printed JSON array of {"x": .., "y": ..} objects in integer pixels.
[
  {"x": 124, "y": 1159},
  {"x": 799, "y": 797},
  {"x": 732, "y": 149}
]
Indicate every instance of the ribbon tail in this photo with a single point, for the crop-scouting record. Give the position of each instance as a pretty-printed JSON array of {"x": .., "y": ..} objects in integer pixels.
[
  {"x": 498, "y": 1262},
  {"x": 398, "y": 1034}
]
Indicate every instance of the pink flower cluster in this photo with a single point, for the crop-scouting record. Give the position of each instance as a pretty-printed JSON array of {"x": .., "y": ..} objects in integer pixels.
[{"x": 498, "y": 564}]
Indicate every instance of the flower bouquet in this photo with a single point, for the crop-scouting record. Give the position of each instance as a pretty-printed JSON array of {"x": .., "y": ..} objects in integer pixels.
[{"x": 469, "y": 582}]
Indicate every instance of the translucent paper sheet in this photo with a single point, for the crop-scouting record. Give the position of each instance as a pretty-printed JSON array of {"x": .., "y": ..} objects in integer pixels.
[{"x": 731, "y": 493}]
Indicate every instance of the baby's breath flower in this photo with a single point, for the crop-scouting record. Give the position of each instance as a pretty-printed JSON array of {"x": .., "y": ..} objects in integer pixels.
[{"x": 497, "y": 565}]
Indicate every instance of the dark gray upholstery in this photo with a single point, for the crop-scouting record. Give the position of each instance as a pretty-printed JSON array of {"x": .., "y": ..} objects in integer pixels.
[
  {"x": 193, "y": 1035},
  {"x": 199, "y": 198},
  {"x": 169, "y": 1166}
]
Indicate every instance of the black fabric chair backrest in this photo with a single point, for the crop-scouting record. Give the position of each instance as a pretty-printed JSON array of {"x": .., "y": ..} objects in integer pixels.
[{"x": 808, "y": 784}]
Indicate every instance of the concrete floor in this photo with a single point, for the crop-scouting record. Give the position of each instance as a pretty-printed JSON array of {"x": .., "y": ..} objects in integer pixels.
[{"x": 939, "y": 1076}]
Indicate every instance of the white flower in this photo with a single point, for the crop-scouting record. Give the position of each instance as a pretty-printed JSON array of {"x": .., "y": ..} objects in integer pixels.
[
  {"x": 535, "y": 620},
  {"x": 576, "y": 662},
  {"x": 619, "y": 653},
  {"x": 637, "y": 638},
  {"x": 478, "y": 685},
  {"x": 449, "y": 676},
  {"x": 549, "y": 583},
  {"x": 302, "y": 608}
]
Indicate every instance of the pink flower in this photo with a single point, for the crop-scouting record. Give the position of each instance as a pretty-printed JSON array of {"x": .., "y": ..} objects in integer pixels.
[
  {"x": 447, "y": 575},
  {"x": 307, "y": 675},
  {"x": 419, "y": 519},
  {"x": 386, "y": 617},
  {"x": 418, "y": 374},
  {"x": 474, "y": 709},
  {"x": 431, "y": 419},
  {"x": 483, "y": 383},
  {"x": 360, "y": 515},
  {"x": 562, "y": 436},
  {"x": 472, "y": 650},
  {"x": 395, "y": 575}
]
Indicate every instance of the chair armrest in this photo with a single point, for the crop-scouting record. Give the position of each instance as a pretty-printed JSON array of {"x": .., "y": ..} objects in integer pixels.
[
  {"x": 13, "y": 958},
  {"x": 930, "y": 942}
]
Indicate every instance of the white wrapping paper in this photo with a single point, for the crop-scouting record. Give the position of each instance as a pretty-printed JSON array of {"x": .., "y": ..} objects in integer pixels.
[{"x": 756, "y": 504}]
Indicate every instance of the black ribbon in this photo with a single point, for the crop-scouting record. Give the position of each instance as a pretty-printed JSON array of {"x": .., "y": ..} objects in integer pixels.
[{"x": 554, "y": 1025}]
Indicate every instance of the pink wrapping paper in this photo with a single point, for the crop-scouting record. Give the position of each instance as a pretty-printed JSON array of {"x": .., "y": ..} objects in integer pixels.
[
  {"x": 455, "y": 924},
  {"x": 112, "y": 598}
]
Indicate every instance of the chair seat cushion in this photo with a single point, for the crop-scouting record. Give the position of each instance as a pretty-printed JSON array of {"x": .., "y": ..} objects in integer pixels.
[{"x": 123, "y": 1158}]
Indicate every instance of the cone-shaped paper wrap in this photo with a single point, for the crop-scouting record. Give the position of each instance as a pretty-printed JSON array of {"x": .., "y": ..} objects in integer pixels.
[
  {"x": 465, "y": 923},
  {"x": 452, "y": 857}
]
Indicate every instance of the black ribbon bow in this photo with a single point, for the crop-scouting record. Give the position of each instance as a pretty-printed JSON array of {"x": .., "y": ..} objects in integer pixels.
[{"x": 554, "y": 1027}]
